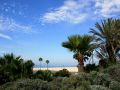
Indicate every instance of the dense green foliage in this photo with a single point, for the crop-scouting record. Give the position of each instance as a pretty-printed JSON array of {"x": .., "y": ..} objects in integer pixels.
[
  {"x": 62, "y": 73},
  {"x": 81, "y": 81},
  {"x": 91, "y": 67},
  {"x": 13, "y": 68},
  {"x": 114, "y": 72},
  {"x": 28, "y": 84},
  {"x": 44, "y": 75}
]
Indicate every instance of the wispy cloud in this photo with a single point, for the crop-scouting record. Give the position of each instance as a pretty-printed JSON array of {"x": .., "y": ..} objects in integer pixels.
[
  {"x": 5, "y": 36},
  {"x": 76, "y": 11},
  {"x": 70, "y": 11},
  {"x": 11, "y": 25}
]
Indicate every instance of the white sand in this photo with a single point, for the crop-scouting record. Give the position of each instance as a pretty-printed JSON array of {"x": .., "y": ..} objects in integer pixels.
[{"x": 70, "y": 69}]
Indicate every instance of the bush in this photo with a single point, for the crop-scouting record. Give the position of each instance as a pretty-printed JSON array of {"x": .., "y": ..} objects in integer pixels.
[
  {"x": 58, "y": 82},
  {"x": 83, "y": 76},
  {"x": 71, "y": 82},
  {"x": 44, "y": 75},
  {"x": 63, "y": 73},
  {"x": 114, "y": 85},
  {"x": 98, "y": 87},
  {"x": 28, "y": 84},
  {"x": 100, "y": 79},
  {"x": 91, "y": 67},
  {"x": 81, "y": 80},
  {"x": 4, "y": 78},
  {"x": 85, "y": 85},
  {"x": 114, "y": 72}
]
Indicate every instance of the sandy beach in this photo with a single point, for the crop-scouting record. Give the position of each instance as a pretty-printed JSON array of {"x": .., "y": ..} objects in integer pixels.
[{"x": 70, "y": 69}]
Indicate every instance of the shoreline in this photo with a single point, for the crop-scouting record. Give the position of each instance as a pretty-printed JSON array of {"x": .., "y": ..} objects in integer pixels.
[{"x": 70, "y": 69}]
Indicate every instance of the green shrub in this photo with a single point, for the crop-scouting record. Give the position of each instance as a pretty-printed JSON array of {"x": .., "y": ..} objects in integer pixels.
[
  {"x": 28, "y": 84},
  {"x": 114, "y": 72},
  {"x": 58, "y": 82},
  {"x": 91, "y": 67},
  {"x": 100, "y": 79},
  {"x": 83, "y": 76},
  {"x": 71, "y": 82},
  {"x": 114, "y": 85},
  {"x": 85, "y": 85},
  {"x": 98, "y": 87},
  {"x": 74, "y": 81},
  {"x": 63, "y": 73},
  {"x": 44, "y": 75},
  {"x": 4, "y": 78}
]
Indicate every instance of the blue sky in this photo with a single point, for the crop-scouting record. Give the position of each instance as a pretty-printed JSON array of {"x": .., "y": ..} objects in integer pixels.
[{"x": 36, "y": 28}]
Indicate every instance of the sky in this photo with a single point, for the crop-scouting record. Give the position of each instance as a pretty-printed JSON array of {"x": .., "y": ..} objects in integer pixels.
[{"x": 36, "y": 28}]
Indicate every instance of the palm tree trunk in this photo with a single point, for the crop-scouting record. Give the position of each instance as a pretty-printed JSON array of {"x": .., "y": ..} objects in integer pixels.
[
  {"x": 40, "y": 65},
  {"x": 80, "y": 68},
  {"x": 111, "y": 53},
  {"x": 47, "y": 66},
  {"x": 80, "y": 63}
]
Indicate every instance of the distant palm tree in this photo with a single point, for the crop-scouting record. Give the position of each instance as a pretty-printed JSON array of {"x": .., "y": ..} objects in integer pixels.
[
  {"x": 82, "y": 48},
  {"x": 107, "y": 33},
  {"x": 47, "y": 62},
  {"x": 40, "y": 59}
]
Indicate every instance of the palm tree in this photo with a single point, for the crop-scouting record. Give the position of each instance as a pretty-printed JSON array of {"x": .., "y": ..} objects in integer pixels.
[
  {"x": 102, "y": 54},
  {"x": 82, "y": 48},
  {"x": 40, "y": 59},
  {"x": 14, "y": 67},
  {"x": 47, "y": 62},
  {"x": 103, "y": 57},
  {"x": 11, "y": 66},
  {"x": 107, "y": 33}
]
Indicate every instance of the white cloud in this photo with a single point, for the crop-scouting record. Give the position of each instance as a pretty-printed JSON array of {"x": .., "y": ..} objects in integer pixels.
[
  {"x": 70, "y": 11},
  {"x": 76, "y": 11},
  {"x": 5, "y": 36},
  {"x": 11, "y": 25},
  {"x": 107, "y": 8}
]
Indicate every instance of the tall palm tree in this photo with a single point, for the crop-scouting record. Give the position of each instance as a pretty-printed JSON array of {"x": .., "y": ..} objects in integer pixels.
[
  {"x": 40, "y": 59},
  {"x": 107, "y": 33},
  {"x": 103, "y": 57},
  {"x": 82, "y": 48},
  {"x": 102, "y": 54},
  {"x": 47, "y": 62}
]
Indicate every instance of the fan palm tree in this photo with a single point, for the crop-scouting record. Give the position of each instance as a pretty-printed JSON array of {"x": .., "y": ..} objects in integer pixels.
[
  {"x": 47, "y": 62},
  {"x": 107, "y": 33},
  {"x": 40, "y": 59},
  {"x": 11, "y": 66},
  {"x": 82, "y": 48}
]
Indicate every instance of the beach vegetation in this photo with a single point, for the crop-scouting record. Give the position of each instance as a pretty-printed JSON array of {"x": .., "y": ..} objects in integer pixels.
[
  {"x": 104, "y": 43},
  {"x": 62, "y": 73}
]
